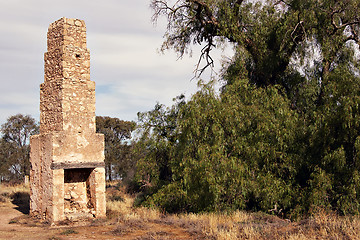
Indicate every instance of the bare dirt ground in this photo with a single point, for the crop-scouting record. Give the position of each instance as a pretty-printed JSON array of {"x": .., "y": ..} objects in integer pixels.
[{"x": 16, "y": 225}]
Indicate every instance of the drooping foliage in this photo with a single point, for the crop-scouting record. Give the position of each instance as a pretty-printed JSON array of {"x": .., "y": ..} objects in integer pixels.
[
  {"x": 157, "y": 137},
  {"x": 283, "y": 136}
]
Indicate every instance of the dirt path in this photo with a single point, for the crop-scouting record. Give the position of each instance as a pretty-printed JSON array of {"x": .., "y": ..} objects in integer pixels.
[
  {"x": 16, "y": 225},
  {"x": 10, "y": 230},
  {"x": 6, "y": 214}
]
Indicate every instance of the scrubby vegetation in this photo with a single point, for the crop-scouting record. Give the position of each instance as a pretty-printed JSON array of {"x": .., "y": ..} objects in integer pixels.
[
  {"x": 321, "y": 224},
  {"x": 283, "y": 134}
]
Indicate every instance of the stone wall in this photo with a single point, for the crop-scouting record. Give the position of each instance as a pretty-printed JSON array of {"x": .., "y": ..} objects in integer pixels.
[
  {"x": 67, "y": 89},
  {"x": 67, "y": 142}
]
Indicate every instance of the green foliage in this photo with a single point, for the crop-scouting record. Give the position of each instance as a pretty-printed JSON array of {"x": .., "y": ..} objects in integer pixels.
[
  {"x": 14, "y": 146},
  {"x": 157, "y": 136},
  {"x": 232, "y": 152},
  {"x": 283, "y": 136},
  {"x": 118, "y": 158}
]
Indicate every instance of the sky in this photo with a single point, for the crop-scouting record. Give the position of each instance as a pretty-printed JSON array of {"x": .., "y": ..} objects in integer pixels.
[{"x": 130, "y": 74}]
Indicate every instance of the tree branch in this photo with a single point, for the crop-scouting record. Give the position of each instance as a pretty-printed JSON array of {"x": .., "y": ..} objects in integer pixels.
[{"x": 342, "y": 25}]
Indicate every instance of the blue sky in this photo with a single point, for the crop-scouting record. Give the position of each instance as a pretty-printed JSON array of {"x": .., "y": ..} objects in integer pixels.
[{"x": 130, "y": 74}]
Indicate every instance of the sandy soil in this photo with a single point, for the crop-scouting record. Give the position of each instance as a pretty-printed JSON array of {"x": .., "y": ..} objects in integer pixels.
[{"x": 16, "y": 225}]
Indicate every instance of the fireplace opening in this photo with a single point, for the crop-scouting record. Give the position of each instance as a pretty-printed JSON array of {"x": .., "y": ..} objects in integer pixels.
[{"x": 78, "y": 200}]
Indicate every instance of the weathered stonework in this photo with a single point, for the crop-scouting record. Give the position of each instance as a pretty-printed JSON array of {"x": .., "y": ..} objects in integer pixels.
[{"x": 67, "y": 177}]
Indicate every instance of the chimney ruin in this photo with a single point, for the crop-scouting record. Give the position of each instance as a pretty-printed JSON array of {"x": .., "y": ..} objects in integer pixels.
[{"x": 67, "y": 177}]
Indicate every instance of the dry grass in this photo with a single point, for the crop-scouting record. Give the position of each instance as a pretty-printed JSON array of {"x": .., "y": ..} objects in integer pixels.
[
  {"x": 13, "y": 192},
  {"x": 153, "y": 224},
  {"x": 120, "y": 206},
  {"x": 240, "y": 224}
]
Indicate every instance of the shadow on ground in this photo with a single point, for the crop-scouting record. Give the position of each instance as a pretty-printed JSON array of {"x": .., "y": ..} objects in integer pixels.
[{"x": 22, "y": 201}]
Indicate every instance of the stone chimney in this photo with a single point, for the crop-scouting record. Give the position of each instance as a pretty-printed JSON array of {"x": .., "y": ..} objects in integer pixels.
[{"x": 67, "y": 177}]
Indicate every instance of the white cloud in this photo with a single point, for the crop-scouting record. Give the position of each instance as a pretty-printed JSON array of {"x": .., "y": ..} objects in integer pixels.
[{"x": 130, "y": 74}]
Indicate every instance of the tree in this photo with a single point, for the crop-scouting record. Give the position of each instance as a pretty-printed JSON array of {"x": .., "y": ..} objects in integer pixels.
[
  {"x": 5, "y": 163},
  {"x": 117, "y": 150},
  {"x": 227, "y": 153},
  {"x": 157, "y": 137},
  {"x": 15, "y": 147},
  {"x": 266, "y": 34},
  {"x": 284, "y": 132}
]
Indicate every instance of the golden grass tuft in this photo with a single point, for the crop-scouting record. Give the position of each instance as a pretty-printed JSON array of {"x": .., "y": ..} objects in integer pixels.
[
  {"x": 240, "y": 224},
  {"x": 120, "y": 205}
]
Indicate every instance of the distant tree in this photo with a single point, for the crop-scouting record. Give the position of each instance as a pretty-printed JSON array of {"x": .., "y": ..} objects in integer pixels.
[
  {"x": 117, "y": 148},
  {"x": 14, "y": 145},
  {"x": 5, "y": 153}
]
